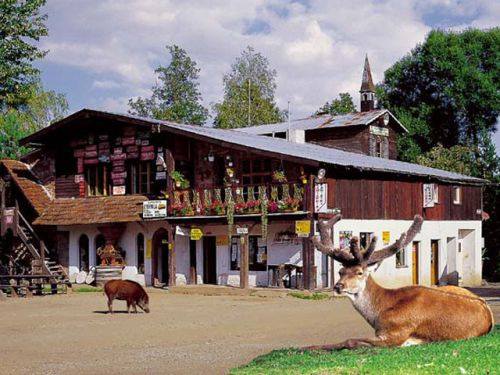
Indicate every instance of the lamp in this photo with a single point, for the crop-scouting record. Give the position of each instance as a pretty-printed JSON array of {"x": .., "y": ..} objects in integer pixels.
[{"x": 321, "y": 173}]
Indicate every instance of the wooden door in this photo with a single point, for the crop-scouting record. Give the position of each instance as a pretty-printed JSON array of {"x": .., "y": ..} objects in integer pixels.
[
  {"x": 160, "y": 257},
  {"x": 414, "y": 258},
  {"x": 209, "y": 260},
  {"x": 434, "y": 262}
]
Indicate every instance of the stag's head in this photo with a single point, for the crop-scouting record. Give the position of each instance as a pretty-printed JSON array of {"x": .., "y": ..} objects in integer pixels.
[{"x": 358, "y": 262}]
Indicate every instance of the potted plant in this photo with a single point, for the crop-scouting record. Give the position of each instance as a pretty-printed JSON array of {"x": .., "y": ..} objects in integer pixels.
[
  {"x": 272, "y": 207},
  {"x": 180, "y": 181},
  {"x": 279, "y": 176},
  {"x": 253, "y": 206},
  {"x": 218, "y": 208},
  {"x": 240, "y": 207}
]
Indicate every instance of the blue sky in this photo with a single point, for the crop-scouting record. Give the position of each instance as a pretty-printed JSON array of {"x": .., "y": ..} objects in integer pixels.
[{"x": 103, "y": 52}]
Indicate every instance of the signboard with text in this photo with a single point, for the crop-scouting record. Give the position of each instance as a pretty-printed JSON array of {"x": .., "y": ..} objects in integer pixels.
[
  {"x": 303, "y": 228},
  {"x": 154, "y": 209},
  {"x": 321, "y": 197}
]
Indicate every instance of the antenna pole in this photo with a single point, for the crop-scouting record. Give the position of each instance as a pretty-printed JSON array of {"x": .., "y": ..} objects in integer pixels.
[{"x": 288, "y": 117}]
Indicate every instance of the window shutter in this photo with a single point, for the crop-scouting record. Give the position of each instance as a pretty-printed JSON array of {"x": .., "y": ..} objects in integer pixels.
[
  {"x": 372, "y": 146},
  {"x": 385, "y": 153}
]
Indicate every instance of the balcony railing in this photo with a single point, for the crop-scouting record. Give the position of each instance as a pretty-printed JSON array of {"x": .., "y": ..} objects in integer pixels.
[{"x": 240, "y": 200}]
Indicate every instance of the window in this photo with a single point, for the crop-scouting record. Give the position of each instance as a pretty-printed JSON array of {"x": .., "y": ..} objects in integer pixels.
[
  {"x": 457, "y": 195},
  {"x": 257, "y": 253},
  {"x": 97, "y": 179},
  {"x": 256, "y": 171},
  {"x": 365, "y": 238},
  {"x": 379, "y": 147},
  {"x": 401, "y": 258},
  {"x": 83, "y": 254},
  {"x": 139, "y": 177},
  {"x": 436, "y": 193},
  {"x": 140, "y": 253},
  {"x": 100, "y": 242}
]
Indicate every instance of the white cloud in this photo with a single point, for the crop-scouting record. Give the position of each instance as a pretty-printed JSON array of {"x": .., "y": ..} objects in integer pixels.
[{"x": 318, "y": 49}]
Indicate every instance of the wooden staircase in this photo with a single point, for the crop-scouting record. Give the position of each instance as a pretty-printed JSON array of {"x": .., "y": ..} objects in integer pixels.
[{"x": 32, "y": 250}]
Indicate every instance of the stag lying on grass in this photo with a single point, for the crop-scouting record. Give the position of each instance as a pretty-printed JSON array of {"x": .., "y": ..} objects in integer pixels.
[{"x": 404, "y": 316}]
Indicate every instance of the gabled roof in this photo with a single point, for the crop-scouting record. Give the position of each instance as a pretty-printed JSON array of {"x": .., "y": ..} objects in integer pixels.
[
  {"x": 34, "y": 191},
  {"x": 92, "y": 210},
  {"x": 306, "y": 153},
  {"x": 323, "y": 122}
]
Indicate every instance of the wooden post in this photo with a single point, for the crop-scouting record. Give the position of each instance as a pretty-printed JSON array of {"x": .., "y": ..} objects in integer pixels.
[
  {"x": 307, "y": 246},
  {"x": 172, "y": 269},
  {"x": 192, "y": 262},
  {"x": 244, "y": 262}
]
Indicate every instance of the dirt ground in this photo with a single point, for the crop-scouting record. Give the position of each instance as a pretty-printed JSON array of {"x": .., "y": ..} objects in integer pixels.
[{"x": 182, "y": 334}]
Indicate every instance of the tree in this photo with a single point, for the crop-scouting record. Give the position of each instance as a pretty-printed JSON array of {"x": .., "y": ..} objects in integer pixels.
[
  {"x": 176, "y": 96},
  {"x": 447, "y": 89},
  {"x": 248, "y": 93},
  {"x": 21, "y": 26},
  {"x": 447, "y": 94},
  {"x": 340, "y": 106},
  {"x": 40, "y": 109}
]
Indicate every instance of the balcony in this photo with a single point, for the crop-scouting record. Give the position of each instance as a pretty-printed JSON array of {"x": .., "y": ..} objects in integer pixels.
[{"x": 238, "y": 201}]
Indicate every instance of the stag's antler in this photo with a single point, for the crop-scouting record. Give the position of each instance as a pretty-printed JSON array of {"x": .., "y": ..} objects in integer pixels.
[
  {"x": 353, "y": 255},
  {"x": 401, "y": 243}
]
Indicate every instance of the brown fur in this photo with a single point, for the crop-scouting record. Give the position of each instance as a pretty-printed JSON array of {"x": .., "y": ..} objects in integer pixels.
[
  {"x": 403, "y": 316},
  {"x": 127, "y": 290}
]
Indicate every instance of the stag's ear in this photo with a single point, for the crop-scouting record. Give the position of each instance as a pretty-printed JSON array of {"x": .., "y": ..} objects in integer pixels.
[{"x": 371, "y": 268}]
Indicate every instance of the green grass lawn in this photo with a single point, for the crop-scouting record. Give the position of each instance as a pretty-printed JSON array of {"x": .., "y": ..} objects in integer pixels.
[{"x": 475, "y": 356}]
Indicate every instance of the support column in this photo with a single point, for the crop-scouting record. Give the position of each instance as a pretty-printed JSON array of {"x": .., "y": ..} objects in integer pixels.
[
  {"x": 192, "y": 262},
  {"x": 172, "y": 267},
  {"x": 244, "y": 261},
  {"x": 307, "y": 246}
]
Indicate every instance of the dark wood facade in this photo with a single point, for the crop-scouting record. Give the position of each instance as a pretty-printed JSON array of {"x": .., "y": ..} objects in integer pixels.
[
  {"x": 400, "y": 200},
  {"x": 357, "y": 139}
]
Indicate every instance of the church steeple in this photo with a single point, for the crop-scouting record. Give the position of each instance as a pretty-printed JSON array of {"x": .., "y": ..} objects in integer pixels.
[{"x": 367, "y": 90}]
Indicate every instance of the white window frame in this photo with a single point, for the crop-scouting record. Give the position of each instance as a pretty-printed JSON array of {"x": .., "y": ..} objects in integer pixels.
[{"x": 457, "y": 195}]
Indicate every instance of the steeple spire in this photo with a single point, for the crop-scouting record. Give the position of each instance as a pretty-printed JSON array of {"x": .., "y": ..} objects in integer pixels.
[{"x": 367, "y": 90}]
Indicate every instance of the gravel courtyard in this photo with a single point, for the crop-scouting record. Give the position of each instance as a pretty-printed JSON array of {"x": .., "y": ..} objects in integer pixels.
[{"x": 182, "y": 334}]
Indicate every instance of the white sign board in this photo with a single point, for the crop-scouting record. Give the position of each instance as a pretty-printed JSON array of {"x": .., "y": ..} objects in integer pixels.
[
  {"x": 377, "y": 130},
  {"x": 154, "y": 209},
  {"x": 428, "y": 191},
  {"x": 119, "y": 190},
  {"x": 181, "y": 231},
  {"x": 242, "y": 230},
  {"x": 321, "y": 197}
]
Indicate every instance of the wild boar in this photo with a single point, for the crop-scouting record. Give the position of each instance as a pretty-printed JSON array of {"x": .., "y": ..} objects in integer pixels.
[{"x": 127, "y": 290}]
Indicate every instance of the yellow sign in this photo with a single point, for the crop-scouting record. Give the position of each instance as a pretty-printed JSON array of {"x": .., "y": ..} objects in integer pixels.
[
  {"x": 222, "y": 241},
  {"x": 386, "y": 237},
  {"x": 148, "y": 249},
  {"x": 303, "y": 228},
  {"x": 170, "y": 246},
  {"x": 196, "y": 234}
]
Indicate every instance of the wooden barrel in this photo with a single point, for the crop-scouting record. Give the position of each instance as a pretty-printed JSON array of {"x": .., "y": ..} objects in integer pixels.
[{"x": 106, "y": 273}]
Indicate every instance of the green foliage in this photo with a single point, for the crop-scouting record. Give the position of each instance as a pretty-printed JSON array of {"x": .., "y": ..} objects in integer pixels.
[
  {"x": 447, "y": 89},
  {"x": 458, "y": 159},
  {"x": 86, "y": 289},
  {"x": 248, "y": 93},
  {"x": 340, "y": 106},
  {"x": 176, "y": 96},
  {"x": 40, "y": 109},
  {"x": 473, "y": 356},
  {"x": 21, "y": 26},
  {"x": 316, "y": 296}
]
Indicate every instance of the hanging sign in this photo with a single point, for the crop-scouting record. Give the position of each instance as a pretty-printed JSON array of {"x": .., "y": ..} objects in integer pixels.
[
  {"x": 196, "y": 234},
  {"x": 428, "y": 191},
  {"x": 181, "y": 231},
  {"x": 242, "y": 230},
  {"x": 119, "y": 190},
  {"x": 320, "y": 197},
  {"x": 154, "y": 209},
  {"x": 79, "y": 178},
  {"x": 303, "y": 228},
  {"x": 386, "y": 237}
]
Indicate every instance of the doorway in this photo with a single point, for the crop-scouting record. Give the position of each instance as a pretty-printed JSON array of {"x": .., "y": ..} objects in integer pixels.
[
  {"x": 414, "y": 262},
  {"x": 209, "y": 260},
  {"x": 160, "y": 257},
  {"x": 434, "y": 262}
]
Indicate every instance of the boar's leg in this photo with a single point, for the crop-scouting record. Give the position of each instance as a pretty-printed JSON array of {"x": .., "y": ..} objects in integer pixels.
[
  {"x": 128, "y": 306},
  {"x": 134, "y": 305},
  {"x": 110, "y": 305}
]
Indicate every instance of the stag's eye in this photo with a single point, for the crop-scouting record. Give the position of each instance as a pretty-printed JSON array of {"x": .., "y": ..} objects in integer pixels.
[{"x": 360, "y": 273}]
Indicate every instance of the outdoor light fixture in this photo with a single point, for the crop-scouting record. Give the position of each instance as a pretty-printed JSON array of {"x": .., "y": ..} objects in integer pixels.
[
  {"x": 321, "y": 173},
  {"x": 210, "y": 156}
]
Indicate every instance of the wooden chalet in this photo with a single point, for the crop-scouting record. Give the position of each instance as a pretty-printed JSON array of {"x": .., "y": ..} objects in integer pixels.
[{"x": 177, "y": 204}]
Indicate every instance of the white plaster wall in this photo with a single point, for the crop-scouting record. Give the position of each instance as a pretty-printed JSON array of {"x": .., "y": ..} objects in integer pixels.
[
  {"x": 467, "y": 263},
  {"x": 391, "y": 276}
]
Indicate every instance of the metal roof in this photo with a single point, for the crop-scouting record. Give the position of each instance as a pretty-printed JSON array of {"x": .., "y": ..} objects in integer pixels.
[
  {"x": 322, "y": 122},
  {"x": 304, "y": 151}
]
